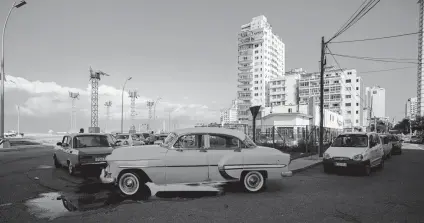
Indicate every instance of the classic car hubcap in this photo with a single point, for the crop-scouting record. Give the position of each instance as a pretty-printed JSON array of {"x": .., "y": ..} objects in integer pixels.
[
  {"x": 253, "y": 181},
  {"x": 129, "y": 184}
]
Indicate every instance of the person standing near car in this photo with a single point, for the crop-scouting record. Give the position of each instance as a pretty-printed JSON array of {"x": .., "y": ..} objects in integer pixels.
[{"x": 81, "y": 130}]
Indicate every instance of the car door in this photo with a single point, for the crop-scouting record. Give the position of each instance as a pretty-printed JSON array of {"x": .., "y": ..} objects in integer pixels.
[
  {"x": 71, "y": 154},
  {"x": 378, "y": 149},
  {"x": 186, "y": 161},
  {"x": 223, "y": 149},
  {"x": 60, "y": 152}
]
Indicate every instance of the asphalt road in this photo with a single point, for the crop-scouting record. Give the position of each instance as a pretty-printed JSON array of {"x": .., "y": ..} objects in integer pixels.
[{"x": 395, "y": 194}]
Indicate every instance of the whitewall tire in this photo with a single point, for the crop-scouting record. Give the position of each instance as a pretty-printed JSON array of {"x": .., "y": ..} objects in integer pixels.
[
  {"x": 253, "y": 181},
  {"x": 129, "y": 183}
]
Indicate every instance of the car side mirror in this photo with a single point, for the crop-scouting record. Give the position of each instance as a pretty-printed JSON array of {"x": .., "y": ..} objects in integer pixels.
[
  {"x": 59, "y": 144},
  {"x": 117, "y": 142}
]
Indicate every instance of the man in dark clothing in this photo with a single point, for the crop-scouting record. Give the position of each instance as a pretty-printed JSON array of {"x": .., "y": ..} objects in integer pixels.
[{"x": 81, "y": 130}]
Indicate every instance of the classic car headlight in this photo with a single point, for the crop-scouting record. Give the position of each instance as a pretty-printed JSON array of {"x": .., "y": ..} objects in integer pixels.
[
  {"x": 358, "y": 157},
  {"x": 326, "y": 156}
]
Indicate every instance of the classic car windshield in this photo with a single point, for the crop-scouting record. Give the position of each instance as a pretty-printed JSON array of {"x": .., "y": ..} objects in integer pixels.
[
  {"x": 248, "y": 142},
  {"x": 92, "y": 141},
  {"x": 122, "y": 136},
  {"x": 169, "y": 139},
  {"x": 146, "y": 135},
  {"x": 351, "y": 141}
]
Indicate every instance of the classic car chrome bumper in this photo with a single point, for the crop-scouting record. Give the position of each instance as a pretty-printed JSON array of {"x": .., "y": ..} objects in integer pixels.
[
  {"x": 287, "y": 174},
  {"x": 106, "y": 177}
]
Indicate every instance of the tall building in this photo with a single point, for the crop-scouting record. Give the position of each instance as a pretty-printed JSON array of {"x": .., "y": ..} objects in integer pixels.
[
  {"x": 377, "y": 101},
  {"x": 342, "y": 94},
  {"x": 284, "y": 90},
  {"x": 261, "y": 56},
  {"x": 411, "y": 108},
  {"x": 229, "y": 115},
  {"x": 420, "y": 79}
]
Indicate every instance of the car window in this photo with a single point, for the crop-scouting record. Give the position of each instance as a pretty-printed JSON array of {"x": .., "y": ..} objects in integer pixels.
[
  {"x": 223, "y": 142},
  {"x": 169, "y": 139},
  {"x": 64, "y": 140},
  {"x": 248, "y": 142},
  {"x": 92, "y": 141},
  {"x": 69, "y": 142},
  {"x": 377, "y": 140},
  {"x": 351, "y": 141},
  {"x": 122, "y": 137},
  {"x": 191, "y": 141},
  {"x": 146, "y": 135},
  {"x": 134, "y": 137}
]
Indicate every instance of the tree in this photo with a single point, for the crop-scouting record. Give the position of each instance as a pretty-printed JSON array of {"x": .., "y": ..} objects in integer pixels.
[{"x": 403, "y": 126}]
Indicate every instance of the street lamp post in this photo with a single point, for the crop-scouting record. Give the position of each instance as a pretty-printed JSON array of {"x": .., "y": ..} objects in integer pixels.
[
  {"x": 16, "y": 4},
  {"x": 122, "y": 106}
]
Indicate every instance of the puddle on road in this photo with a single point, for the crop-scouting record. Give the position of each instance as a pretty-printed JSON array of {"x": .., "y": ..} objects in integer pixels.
[
  {"x": 44, "y": 167},
  {"x": 94, "y": 196}
]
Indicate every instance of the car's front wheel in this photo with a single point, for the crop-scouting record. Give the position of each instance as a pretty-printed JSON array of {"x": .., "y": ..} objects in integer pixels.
[
  {"x": 71, "y": 168},
  {"x": 130, "y": 184},
  {"x": 366, "y": 169},
  {"x": 381, "y": 165},
  {"x": 253, "y": 181}
]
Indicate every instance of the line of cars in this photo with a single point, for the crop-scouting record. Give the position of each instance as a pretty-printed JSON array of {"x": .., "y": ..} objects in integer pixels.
[
  {"x": 361, "y": 151},
  {"x": 187, "y": 156}
]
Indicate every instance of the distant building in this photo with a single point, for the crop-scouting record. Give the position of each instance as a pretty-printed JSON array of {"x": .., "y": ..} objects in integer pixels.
[
  {"x": 377, "y": 101},
  {"x": 261, "y": 56},
  {"x": 229, "y": 115},
  {"x": 342, "y": 94},
  {"x": 411, "y": 108},
  {"x": 284, "y": 90}
]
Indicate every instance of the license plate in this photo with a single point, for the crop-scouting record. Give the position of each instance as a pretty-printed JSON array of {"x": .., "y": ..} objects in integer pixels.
[
  {"x": 341, "y": 164},
  {"x": 100, "y": 159}
]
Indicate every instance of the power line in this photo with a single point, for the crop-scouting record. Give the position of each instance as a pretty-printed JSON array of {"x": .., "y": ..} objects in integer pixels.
[
  {"x": 338, "y": 32},
  {"x": 363, "y": 10},
  {"x": 399, "y": 68},
  {"x": 377, "y": 38},
  {"x": 374, "y": 59}
]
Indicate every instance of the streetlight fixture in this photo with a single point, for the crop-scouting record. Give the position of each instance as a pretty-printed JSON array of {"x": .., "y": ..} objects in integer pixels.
[
  {"x": 122, "y": 107},
  {"x": 154, "y": 107},
  {"x": 16, "y": 4}
]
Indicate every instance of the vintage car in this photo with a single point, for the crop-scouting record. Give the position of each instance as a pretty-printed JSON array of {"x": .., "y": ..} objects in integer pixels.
[
  {"x": 355, "y": 150},
  {"x": 196, "y": 155},
  {"x": 82, "y": 150},
  {"x": 129, "y": 139}
]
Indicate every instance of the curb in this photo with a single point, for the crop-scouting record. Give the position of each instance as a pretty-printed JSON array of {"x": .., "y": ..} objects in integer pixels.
[{"x": 306, "y": 167}]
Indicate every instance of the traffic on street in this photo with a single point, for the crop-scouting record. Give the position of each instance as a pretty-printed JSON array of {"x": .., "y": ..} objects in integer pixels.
[{"x": 33, "y": 190}]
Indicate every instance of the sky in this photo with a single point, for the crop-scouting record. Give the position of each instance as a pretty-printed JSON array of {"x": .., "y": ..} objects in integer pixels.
[{"x": 182, "y": 51}]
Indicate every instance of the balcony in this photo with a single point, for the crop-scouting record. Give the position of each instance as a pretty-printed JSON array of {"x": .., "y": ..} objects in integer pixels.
[
  {"x": 245, "y": 85},
  {"x": 246, "y": 52},
  {"x": 250, "y": 41},
  {"x": 245, "y": 61},
  {"x": 245, "y": 68}
]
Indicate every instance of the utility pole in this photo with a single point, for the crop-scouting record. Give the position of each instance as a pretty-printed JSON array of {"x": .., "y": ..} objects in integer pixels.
[
  {"x": 108, "y": 104},
  {"x": 321, "y": 108},
  {"x": 19, "y": 116}
]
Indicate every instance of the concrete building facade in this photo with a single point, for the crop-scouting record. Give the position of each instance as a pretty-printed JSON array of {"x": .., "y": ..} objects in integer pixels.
[
  {"x": 411, "y": 108},
  {"x": 261, "y": 56}
]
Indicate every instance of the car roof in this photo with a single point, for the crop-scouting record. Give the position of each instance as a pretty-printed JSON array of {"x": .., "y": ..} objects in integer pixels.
[
  {"x": 88, "y": 134},
  {"x": 212, "y": 130}
]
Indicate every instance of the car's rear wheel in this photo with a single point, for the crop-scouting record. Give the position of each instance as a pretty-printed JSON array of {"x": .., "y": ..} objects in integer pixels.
[
  {"x": 381, "y": 165},
  {"x": 253, "y": 181},
  {"x": 367, "y": 169},
  {"x": 131, "y": 184},
  {"x": 56, "y": 162},
  {"x": 71, "y": 168}
]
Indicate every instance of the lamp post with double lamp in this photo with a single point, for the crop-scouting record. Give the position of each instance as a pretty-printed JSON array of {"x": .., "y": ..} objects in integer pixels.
[
  {"x": 122, "y": 106},
  {"x": 154, "y": 107},
  {"x": 16, "y": 4}
]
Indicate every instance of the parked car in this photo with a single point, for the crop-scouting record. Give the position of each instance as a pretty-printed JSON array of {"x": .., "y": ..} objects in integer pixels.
[
  {"x": 160, "y": 138},
  {"x": 397, "y": 145},
  {"x": 196, "y": 155},
  {"x": 417, "y": 139},
  {"x": 354, "y": 150},
  {"x": 82, "y": 150},
  {"x": 386, "y": 139},
  {"x": 149, "y": 138},
  {"x": 129, "y": 139}
]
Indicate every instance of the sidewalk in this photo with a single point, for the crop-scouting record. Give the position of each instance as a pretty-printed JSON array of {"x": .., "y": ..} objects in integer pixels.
[{"x": 303, "y": 163}]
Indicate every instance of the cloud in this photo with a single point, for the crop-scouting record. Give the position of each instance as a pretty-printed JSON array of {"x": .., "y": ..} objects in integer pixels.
[{"x": 48, "y": 98}]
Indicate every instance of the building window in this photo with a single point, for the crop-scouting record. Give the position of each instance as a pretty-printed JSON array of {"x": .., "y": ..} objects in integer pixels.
[
  {"x": 290, "y": 110},
  {"x": 357, "y": 88},
  {"x": 349, "y": 112},
  {"x": 348, "y": 81},
  {"x": 348, "y": 96},
  {"x": 357, "y": 104},
  {"x": 357, "y": 121},
  {"x": 256, "y": 94},
  {"x": 357, "y": 80},
  {"x": 357, "y": 112},
  {"x": 256, "y": 88},
  {"x": 347, "y": 104},
  {"x": 348, "y": 88}
]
